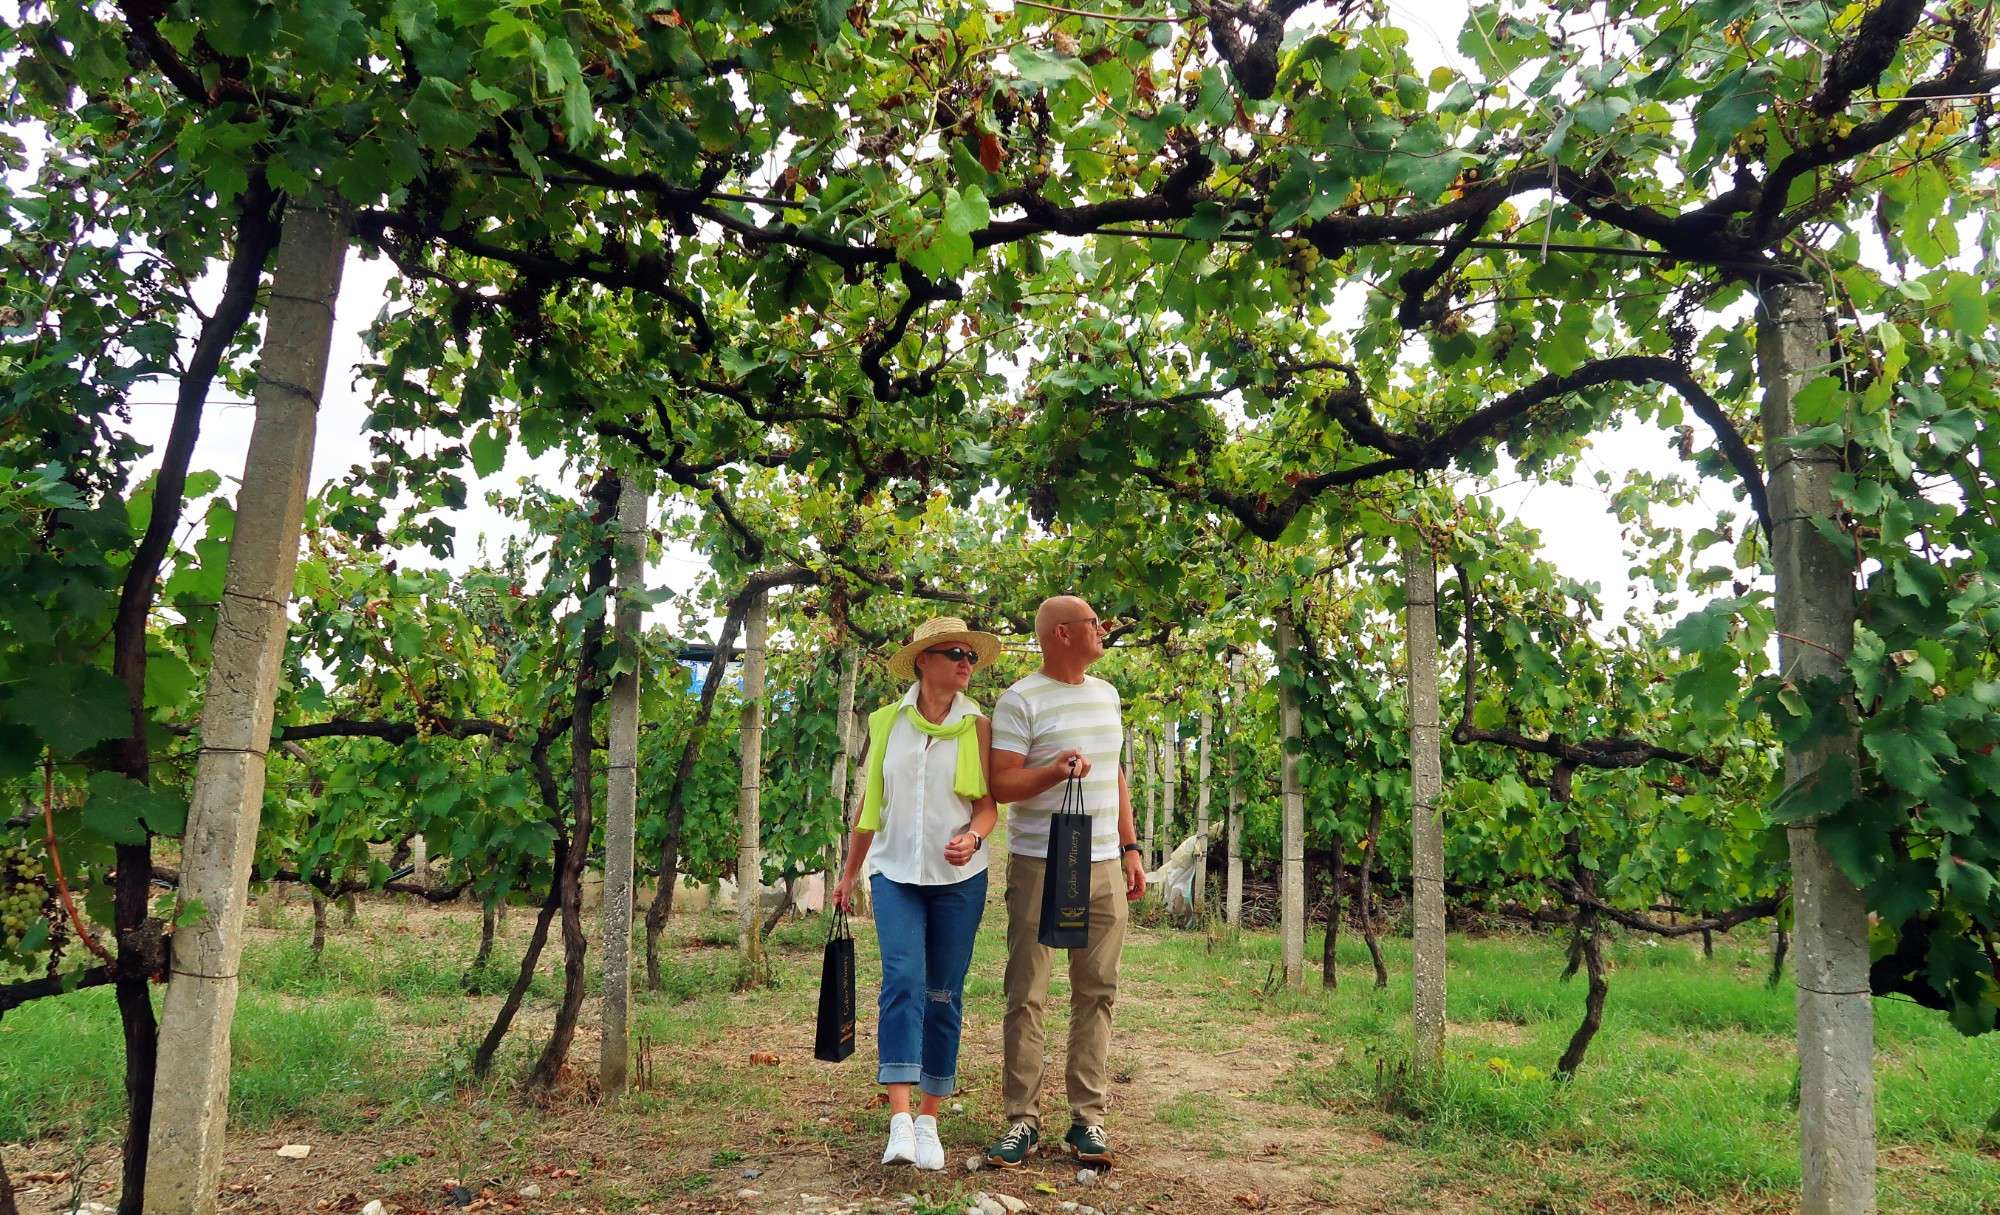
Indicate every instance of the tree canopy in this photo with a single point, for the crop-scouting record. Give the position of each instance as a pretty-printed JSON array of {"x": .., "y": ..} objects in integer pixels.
[{"x": 1196, "y": 307}]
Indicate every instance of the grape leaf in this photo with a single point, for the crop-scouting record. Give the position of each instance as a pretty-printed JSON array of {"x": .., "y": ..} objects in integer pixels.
[
  {"x": 122, "y": 810},
  {"x": 72, "y": 708}
]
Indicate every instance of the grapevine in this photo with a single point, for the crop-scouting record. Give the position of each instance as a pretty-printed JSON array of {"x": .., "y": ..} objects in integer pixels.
[{"x": 61, "y": 893}]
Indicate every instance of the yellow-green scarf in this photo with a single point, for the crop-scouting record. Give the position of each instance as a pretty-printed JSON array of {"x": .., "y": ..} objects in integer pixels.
[{"x": 968, "y": 780}]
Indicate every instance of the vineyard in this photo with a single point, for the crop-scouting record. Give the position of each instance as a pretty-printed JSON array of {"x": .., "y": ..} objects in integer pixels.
[{"x": 1239, "y": 319}]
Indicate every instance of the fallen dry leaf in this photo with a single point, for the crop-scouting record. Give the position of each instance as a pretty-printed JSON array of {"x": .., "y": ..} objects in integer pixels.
[
  {"x": 1252, "y": 1201},
  {"x": 763, "y": 1058},
  {"x": 46, "y": 1178},
  {"x": 1272, "y": 1149}
]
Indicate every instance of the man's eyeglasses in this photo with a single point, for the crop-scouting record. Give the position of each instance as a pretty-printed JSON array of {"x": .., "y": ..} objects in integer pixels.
[
  {"x": 1092, "y": 621},
  {"x": 954, "y": 654}
]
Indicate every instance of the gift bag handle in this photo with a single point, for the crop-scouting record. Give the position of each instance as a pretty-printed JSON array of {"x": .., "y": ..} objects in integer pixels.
[{"x": 1072, "y": 794}]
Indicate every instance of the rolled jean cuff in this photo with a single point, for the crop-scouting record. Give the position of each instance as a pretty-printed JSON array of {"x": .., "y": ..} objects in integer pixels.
[
  {"x": 939, "y": 1086},
  {"x": 899, "y": 1073}
]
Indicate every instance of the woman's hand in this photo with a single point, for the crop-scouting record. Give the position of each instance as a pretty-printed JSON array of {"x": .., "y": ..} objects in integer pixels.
[
  {"x": 961, "y": 847},
  {"x": 843, "y": 893}
]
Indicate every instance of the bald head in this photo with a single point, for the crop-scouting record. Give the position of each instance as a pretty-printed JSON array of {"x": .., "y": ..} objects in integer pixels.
[
  {"x": 1070, "y": 637},
  {"x": 1056, "y": 610}
]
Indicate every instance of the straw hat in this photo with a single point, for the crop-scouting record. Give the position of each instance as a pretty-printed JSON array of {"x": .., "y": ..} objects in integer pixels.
[{"x": 938, "y": 631}]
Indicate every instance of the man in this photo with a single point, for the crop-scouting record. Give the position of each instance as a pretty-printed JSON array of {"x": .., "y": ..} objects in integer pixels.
[{"x": 1050, "y": 725}]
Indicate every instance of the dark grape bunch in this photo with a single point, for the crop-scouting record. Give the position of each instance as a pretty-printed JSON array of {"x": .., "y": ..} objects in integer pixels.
[{"x": 24, "y": 895}]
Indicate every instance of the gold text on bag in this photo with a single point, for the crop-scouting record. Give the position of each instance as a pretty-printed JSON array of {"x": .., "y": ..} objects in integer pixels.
[{"x": 1066, "y": 881}]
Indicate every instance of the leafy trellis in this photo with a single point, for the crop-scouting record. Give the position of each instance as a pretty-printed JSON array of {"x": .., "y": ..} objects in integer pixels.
[{"x": 1256, "y": 276}]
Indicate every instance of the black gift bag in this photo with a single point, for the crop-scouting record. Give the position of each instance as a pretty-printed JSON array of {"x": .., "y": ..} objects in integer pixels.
[
  {"x": 1066, "y": 880},
  {"x": 834, "y": 1038}
]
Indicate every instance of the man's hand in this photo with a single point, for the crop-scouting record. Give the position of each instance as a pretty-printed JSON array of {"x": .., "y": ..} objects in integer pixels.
[
  {"x": 843, "y": 893},
  {"x": 1072, "y": 763},
  {"x": 961, "y": 847},
  {"x": 1135, "y": 878}
]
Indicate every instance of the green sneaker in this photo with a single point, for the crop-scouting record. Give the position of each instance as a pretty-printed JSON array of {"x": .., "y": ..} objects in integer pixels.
[
  {"x": 1087, "y": 1144},
  {"x": 1013, "y": 1147}
]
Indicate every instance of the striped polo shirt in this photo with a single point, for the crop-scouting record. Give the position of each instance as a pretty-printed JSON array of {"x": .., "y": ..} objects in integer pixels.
[{"x": 1040, "y": 718}]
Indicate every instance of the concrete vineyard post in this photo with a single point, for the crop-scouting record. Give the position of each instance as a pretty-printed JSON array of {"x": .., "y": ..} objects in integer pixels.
[
  {"x": 1170, "y": 750},
  {"x": 192, "y": 1089},
  {"x": 850, "y": 668},
  {"x": 1130, "y": 759},
  {"x": 1233, "y": 900},
  {"x": 1816, "y": 612},
  {"x": 1152, "y": 798},
  {"x": 1292, "y": 866},
  {"x": 1426, "y": 782},
  {"x": 1204, "y": 766},
  {"x": 857, "y": 791},
  {"x": 621, "y": 794},
  {"x": 749, "y": 806}
]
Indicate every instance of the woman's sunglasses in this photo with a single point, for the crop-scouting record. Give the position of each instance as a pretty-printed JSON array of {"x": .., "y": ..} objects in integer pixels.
[{"x": 955, "y": 654}]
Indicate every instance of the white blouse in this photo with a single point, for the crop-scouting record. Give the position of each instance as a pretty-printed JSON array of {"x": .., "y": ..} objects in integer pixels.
[{"x": 921, "y": 812}]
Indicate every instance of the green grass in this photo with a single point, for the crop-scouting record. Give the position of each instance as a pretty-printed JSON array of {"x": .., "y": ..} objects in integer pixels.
[
  {"x": 323, "y": 1062},
  {"x": 1193, "y": 1112},
  {"x": 669, "y": 1019},
  {"x": 62, "y": 1065},
  {"x": 62, "y": 1068},
  {"x": 694, "y": 977},
  {"x": 396, "y": 968},
  {"x": 1687, "y": 1095}
]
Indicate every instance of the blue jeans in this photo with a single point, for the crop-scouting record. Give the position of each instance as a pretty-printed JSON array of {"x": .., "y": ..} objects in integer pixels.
[{"x": 926, "y": 937}]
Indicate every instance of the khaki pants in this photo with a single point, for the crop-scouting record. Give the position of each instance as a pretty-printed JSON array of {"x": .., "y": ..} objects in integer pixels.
[{"x": 1093, "y": 986}]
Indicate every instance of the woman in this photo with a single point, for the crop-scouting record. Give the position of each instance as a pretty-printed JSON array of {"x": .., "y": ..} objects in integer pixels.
[{"x": 926, "y": 799}]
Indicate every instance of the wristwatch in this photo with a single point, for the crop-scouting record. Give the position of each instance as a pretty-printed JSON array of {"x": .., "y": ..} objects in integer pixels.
[
  {"x": 1131, "y": 848},
  {"x": 982, "y": 841}
]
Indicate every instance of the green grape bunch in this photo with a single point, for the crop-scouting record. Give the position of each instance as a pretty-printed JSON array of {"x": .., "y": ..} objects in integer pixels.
[
  {"x": 25, "y": 898},
  {"x": 1299, "y": 264}
]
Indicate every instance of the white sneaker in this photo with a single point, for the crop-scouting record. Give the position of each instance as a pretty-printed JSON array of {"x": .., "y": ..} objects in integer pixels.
[
  {"x": 930, "y": 1149},
  {"x": 902, "y": 1147}
]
